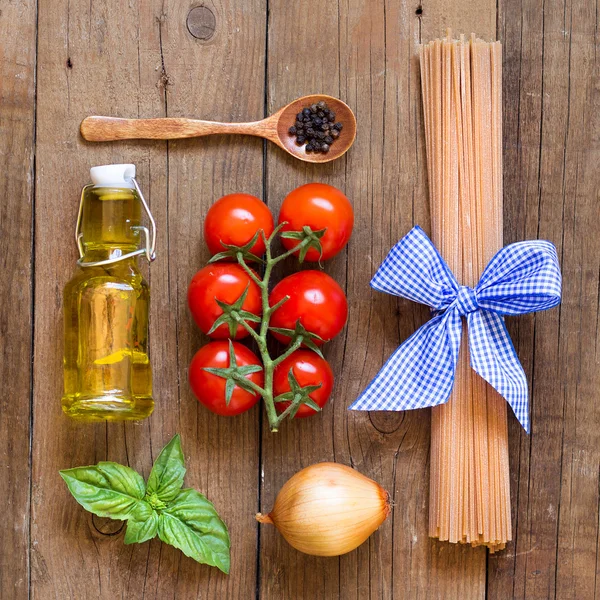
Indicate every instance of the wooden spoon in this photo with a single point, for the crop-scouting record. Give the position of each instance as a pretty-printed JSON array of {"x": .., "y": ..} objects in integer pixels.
[{"x": 273, "y": 128}]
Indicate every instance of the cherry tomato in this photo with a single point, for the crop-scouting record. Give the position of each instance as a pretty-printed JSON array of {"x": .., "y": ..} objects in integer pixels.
[
  {"x": 210, "y": 389},
  {"x": 309, "y": 369},
  {"x": 315, "y": 299},
  {"x": 225, "y": 282},
  {"x": 320, "y": 206},
  {"x": 234, "y": 219}
]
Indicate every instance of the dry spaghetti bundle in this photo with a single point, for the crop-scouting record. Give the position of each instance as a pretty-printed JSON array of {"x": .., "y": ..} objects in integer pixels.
[{"x": 462, "y": 100}]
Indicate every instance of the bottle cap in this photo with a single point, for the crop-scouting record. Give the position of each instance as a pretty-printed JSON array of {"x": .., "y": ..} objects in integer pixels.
[{"x": 113, "y": 176}]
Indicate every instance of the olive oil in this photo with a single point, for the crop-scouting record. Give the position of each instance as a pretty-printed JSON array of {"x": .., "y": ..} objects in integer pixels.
[{"x": 107, "y": 373}]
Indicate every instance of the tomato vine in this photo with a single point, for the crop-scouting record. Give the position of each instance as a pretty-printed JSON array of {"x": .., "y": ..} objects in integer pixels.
[{"x": 299, "y": 336}]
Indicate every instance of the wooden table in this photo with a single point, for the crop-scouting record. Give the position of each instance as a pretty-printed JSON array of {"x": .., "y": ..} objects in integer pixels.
[{"x": 62, "y": 60}]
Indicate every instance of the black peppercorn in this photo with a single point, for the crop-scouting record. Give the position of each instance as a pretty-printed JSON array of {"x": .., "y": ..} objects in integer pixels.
[{"x": 315, "y": 127}]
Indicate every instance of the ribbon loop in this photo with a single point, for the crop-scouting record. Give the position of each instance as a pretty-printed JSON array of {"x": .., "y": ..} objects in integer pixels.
[{"x": 521, "y": 278}]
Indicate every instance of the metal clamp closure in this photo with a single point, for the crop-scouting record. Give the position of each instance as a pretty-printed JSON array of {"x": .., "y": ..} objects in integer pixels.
[{"x": 150, "y": 239}]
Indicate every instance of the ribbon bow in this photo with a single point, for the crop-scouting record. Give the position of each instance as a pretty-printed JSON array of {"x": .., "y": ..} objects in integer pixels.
[{"x": 521, "y": 278}]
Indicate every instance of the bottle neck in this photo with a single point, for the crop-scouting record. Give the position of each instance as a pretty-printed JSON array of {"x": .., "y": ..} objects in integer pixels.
[
  {"x": 97, "y": 254},
  {"x": 109, "y": 220}
]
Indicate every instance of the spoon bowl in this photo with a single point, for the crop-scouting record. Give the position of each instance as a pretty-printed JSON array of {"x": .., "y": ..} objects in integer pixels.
[
  {"x": 273, "y": 128},
  {"x": 286, "y": 117}
]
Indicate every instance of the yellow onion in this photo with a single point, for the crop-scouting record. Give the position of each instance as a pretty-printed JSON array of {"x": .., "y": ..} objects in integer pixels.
[{"x": 328, "y": 509}]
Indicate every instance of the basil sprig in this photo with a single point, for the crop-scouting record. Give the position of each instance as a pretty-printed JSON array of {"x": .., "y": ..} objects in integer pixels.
[{"x": 181, "y": 517}]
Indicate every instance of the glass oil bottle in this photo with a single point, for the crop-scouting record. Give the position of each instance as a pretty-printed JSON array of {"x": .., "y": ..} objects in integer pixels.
[{"x": 107, "y": 373}]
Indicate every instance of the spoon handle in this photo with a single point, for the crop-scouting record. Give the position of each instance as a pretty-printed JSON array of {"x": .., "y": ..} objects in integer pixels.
[{"x": 107, "y": 129}]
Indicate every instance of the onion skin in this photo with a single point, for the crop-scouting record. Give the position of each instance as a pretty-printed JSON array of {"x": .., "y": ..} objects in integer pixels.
[{"x": 328, "y": 509}]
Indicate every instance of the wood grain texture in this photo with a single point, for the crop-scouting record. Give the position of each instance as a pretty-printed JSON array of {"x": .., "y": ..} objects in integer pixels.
[
  {"x": 375, "y": 46},
  {"x": 87, "y": 61},
  {"x": 138, "y": 59},
  {"x": 17, "y": 126},
  {"x": 284, "y": 572},
  {"x": 133, "y": 59},
  {"x": 552, "y": 182},
  {"x": 222, "y": 453}
]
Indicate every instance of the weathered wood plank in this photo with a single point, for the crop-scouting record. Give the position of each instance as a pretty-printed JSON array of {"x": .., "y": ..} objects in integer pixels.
[
  {"x": 130, "y": 59},
  {"x": 383, "y": 175},
  {"x": 17, "y": 115},
  {"x": 219, "y": 79},
  {"x": 302, "y": 59},
  {"x": 386, "y": 180},
  {"x": 133, "y": 59},
  {"x": 454, "y": 570},
  {"x": 102, "y": 57},
  {"x": 551, "y": 144}
]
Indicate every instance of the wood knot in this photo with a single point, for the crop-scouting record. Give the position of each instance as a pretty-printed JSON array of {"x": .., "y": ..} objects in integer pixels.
[
  {"x": 419, "y": 11},
  {"x": 164, "y": 80},
  {"x": 386, "y": 422},
  {"x": 201, "y": 23},
  {"x": 107, "y": 527}
]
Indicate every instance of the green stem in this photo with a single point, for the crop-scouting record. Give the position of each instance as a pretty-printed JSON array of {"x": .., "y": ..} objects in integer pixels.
[
  {"x": 251, "y": 273},
  {"x": 289, "y": 351},
  {"x": 287, "y": 411},
  {"x": 290, "y": 252},
  {"x": 269, "y": 364},
  {"x": 247, "y": 327},
  {"x": 280, "y": 303}
]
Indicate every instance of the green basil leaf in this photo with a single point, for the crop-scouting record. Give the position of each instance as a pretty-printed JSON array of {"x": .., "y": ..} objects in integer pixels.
[
  {"x": 142, "y": 525},
  {"x": 191, "y": 524},
  {"x": 166, "y": 477},
  {"x": 107, "y": 489},
  {"x": 141, "y": 511}
]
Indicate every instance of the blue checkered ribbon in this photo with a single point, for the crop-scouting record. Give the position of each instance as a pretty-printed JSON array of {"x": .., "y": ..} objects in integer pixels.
[{"x": 521, "y": 278}]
